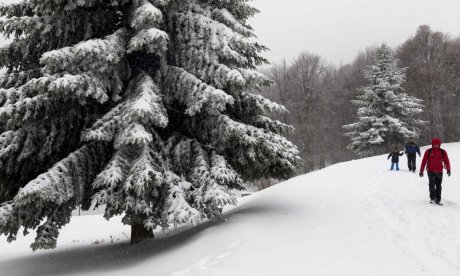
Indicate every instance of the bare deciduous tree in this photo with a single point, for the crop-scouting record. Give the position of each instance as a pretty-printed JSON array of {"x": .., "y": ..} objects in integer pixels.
[{"x": 319, "y": 95}]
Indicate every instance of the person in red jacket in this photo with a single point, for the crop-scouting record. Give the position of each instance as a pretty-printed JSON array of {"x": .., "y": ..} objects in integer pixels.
[{"x": 435, "y": 160}]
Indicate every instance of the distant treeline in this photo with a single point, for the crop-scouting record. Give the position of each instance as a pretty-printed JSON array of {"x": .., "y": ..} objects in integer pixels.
[{"x": 318, "y": 94}]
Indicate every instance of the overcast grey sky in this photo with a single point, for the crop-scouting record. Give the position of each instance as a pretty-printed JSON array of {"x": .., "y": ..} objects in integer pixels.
[{"x": 339, "y": 29}]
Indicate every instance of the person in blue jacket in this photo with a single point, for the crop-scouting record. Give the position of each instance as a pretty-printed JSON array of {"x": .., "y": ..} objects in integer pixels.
[
  {"x": 411, "y": 149},
  {"x": 395, "y": 158}
]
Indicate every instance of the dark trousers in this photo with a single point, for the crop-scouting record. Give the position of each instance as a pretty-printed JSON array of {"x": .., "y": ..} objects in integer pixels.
[
  {"x": 435, "y": 186},
  {"x": 411, "y": 161}
]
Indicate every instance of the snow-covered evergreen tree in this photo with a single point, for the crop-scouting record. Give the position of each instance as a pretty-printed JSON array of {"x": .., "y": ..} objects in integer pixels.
[
  {"x": 143, "y": 106},
  {"x": 386, "y": 115}
]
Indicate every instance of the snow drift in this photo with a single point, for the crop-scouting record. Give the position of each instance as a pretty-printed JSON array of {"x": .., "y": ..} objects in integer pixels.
[{"x": 353, "y": 218}]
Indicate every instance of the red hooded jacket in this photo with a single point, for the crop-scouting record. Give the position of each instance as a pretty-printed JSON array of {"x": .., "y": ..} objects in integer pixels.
[{"x": 434, "y": 160}]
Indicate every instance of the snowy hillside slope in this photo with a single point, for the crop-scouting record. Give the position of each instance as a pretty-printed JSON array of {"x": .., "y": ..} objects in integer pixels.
[{"x": 353, "y": 218}]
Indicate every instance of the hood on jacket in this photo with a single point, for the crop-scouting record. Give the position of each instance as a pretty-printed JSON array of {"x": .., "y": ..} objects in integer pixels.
[{"x": 436, "y": 141}]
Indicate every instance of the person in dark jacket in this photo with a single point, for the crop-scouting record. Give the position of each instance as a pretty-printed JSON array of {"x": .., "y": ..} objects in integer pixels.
[
  {"x": 435, "y": 159},
  {"x": 395, "y": 158},
  {"x": 412, "y": 149}
]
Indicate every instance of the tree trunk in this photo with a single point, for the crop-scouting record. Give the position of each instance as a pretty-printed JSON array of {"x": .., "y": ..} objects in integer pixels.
[{"x": 139, "y": 233}]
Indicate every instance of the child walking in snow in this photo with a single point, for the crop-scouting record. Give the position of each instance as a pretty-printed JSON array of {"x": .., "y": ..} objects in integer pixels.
[{"x": 395, "y": 158}]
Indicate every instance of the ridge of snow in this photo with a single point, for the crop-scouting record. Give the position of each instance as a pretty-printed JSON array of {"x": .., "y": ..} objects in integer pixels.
[{"x": 352, "y": 218}]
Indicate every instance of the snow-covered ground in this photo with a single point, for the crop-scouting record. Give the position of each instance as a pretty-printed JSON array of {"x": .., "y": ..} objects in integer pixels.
[{"x": 353, "y": 218}]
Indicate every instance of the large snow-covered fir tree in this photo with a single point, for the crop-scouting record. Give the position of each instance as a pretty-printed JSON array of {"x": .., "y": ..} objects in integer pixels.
[
  {"x": 386, "y": 114},
  {"x": 142, "y": 106}
]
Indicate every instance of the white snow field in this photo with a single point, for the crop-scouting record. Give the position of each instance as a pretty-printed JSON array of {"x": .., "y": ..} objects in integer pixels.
[{"x": 353, "y": 218}]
